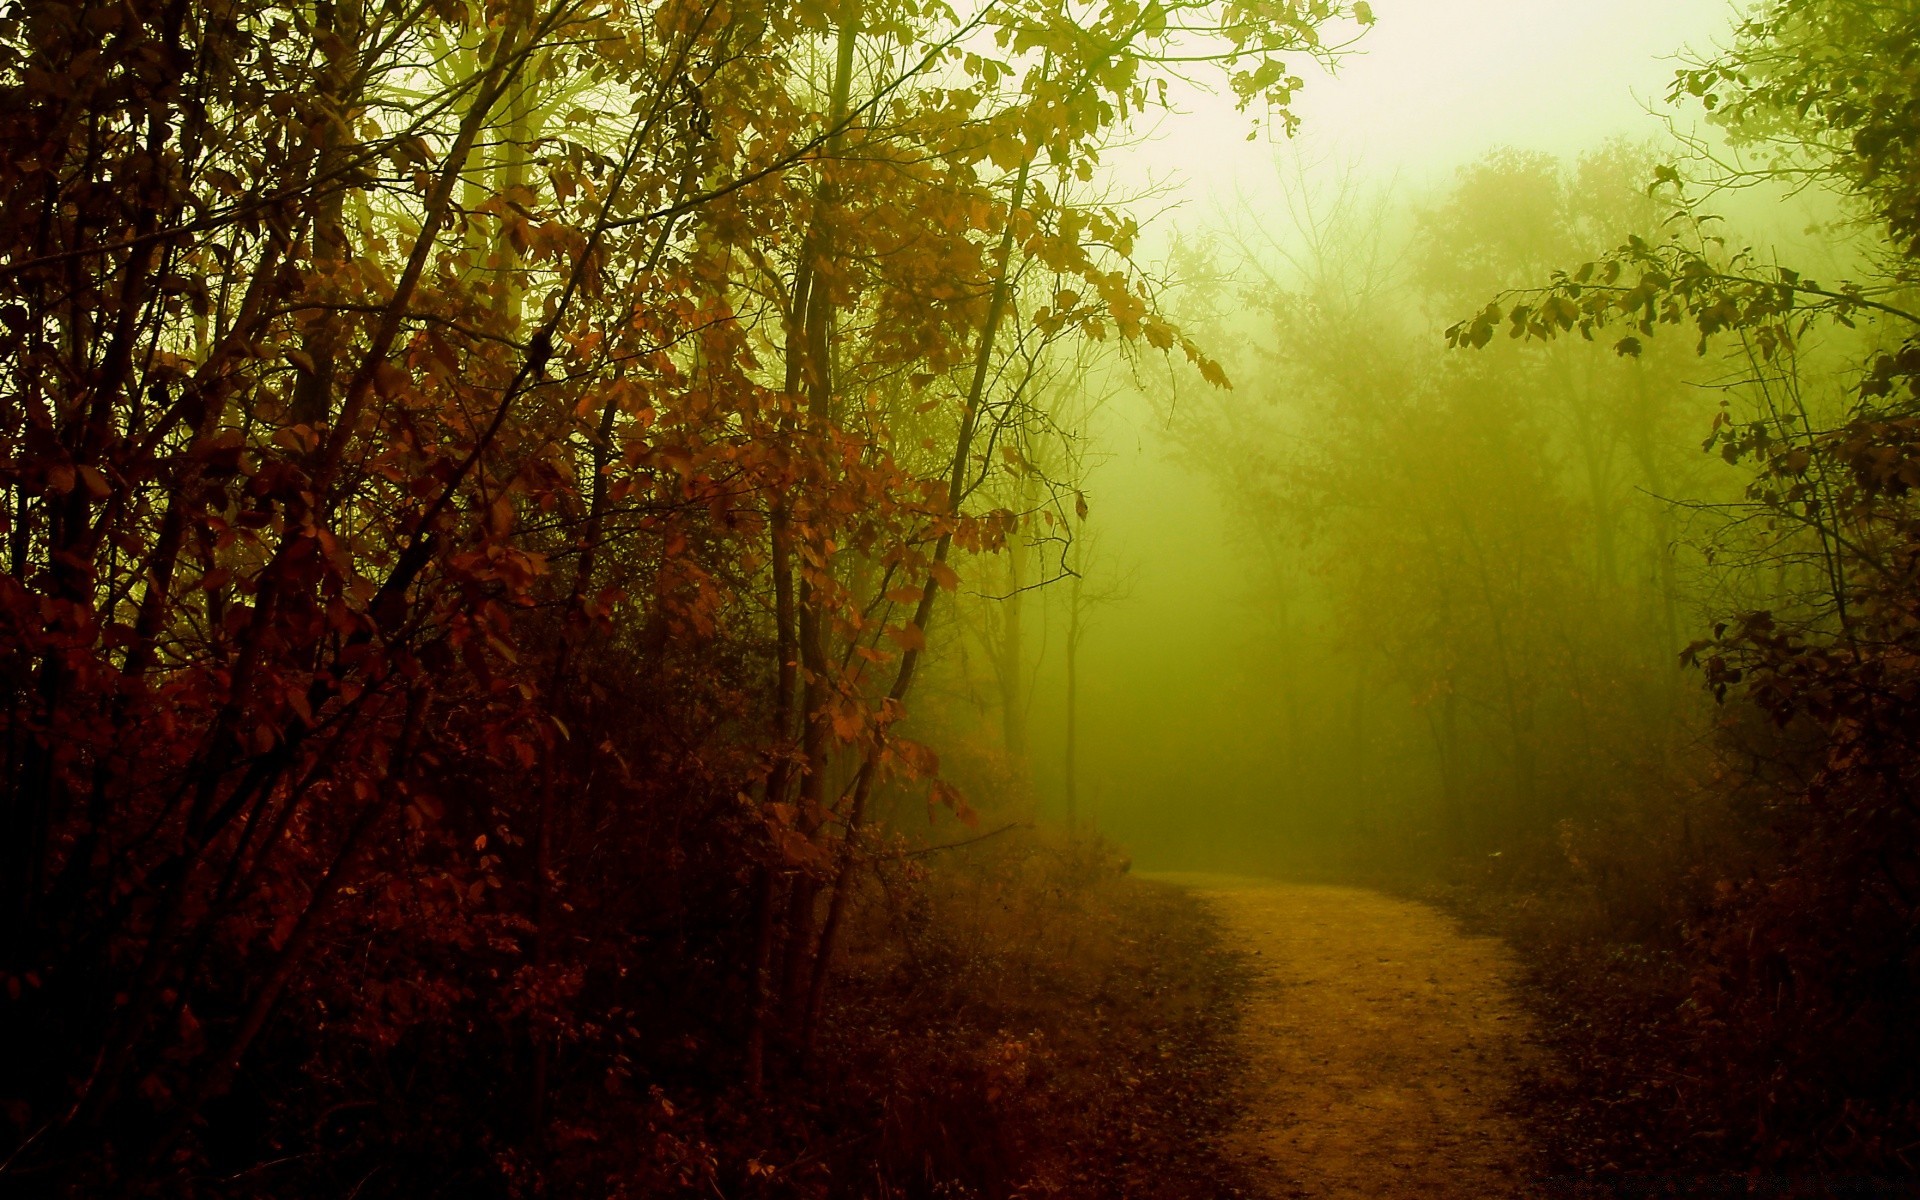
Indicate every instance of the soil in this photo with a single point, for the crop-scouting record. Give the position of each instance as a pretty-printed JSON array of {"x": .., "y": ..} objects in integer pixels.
[{"x": 1381, "y": 1047}]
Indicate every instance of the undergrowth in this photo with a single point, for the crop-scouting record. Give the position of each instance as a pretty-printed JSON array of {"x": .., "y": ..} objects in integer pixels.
[
  {"x": 1723, "y": 995},
  {"x": 1019, "y": 1020}
]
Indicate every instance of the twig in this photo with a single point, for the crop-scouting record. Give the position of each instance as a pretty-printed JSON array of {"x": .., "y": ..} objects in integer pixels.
[{"x": 964, "y": 842}]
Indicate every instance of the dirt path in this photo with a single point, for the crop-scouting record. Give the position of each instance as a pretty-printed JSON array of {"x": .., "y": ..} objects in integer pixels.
[{"x": 1382, "y": 1044}]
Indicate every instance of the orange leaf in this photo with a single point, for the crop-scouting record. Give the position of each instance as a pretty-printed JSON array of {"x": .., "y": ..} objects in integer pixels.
[{"x": 907, "y": 637}]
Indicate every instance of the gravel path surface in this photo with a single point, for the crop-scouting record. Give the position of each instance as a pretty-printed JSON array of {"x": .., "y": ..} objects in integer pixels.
[{"x": 1382, "y": 1045}]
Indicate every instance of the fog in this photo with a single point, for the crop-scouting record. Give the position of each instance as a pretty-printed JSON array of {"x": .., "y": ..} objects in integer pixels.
[
  {"x": 613, "y": 599},
  {"x": 1236, "y": 706}
]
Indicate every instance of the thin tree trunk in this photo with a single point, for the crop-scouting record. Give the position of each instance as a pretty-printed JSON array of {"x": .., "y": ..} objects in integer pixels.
[
  {"x": 766, "y": 900},
  {"x": 1072, "y": 749},
  {"x": 923, "y": 612},
  {"x": 814, "y": 312},
  {"x": 337, "y": 30},
  {"x": 1012, "y": 657}
]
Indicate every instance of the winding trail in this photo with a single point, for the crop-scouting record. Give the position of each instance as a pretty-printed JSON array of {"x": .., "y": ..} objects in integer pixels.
[{"x": 1382, "y": 1046}]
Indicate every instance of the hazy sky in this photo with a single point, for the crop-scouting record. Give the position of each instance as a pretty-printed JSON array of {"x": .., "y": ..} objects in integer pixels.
[{"x": 1436, "y": 83}]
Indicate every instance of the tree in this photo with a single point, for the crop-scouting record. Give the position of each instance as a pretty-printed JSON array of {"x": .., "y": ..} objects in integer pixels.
[
  {"x": 455, "y": 452},
  {"x": 1800, "y": 968}
]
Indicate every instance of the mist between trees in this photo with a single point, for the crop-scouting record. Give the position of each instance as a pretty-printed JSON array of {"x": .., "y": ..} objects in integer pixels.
[
  {"x": 1565, "y": 512},
  {"x": 1453, "y": 586},
  {"x": 530, "y": 529}
]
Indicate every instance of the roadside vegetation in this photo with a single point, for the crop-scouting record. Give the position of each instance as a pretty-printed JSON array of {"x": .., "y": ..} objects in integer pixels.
[{"x": 480, "y": 481}]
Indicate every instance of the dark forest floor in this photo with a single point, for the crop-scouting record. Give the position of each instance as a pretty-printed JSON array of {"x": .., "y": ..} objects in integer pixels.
[
  {"x": 1072, "y": 1040},
  {"x": 1611, "y": 1103},
  {"x": 1155, "y": 1082},
  {"x": 1142, "y": 1084}
]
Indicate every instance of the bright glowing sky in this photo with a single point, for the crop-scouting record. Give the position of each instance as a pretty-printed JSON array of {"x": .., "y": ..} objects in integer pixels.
[{"x": 1436, "y": 83}]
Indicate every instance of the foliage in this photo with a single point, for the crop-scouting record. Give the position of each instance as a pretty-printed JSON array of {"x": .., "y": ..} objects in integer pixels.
[
  {"x": 478, "y": 478},
  {"x": 1799, "y": 959}
]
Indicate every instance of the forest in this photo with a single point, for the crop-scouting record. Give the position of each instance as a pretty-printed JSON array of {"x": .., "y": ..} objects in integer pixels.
[{"x": 565, "y": 623}]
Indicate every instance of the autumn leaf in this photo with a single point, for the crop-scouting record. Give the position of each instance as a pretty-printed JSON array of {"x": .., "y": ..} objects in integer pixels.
[{"x": 907, "y": 637}]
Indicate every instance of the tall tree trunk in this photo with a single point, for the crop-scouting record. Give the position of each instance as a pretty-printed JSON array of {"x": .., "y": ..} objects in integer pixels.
[
  {"x": 1011, "y": 667},
  {"x": 923, "y": 612},
  {"x": 1072, "y": 748},
  {"x": 1012, "y": 658},
  {"x": 337, "y": 30},
  {"x": 515, "y": 153},
  {"x": 812, "y": 369}
]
